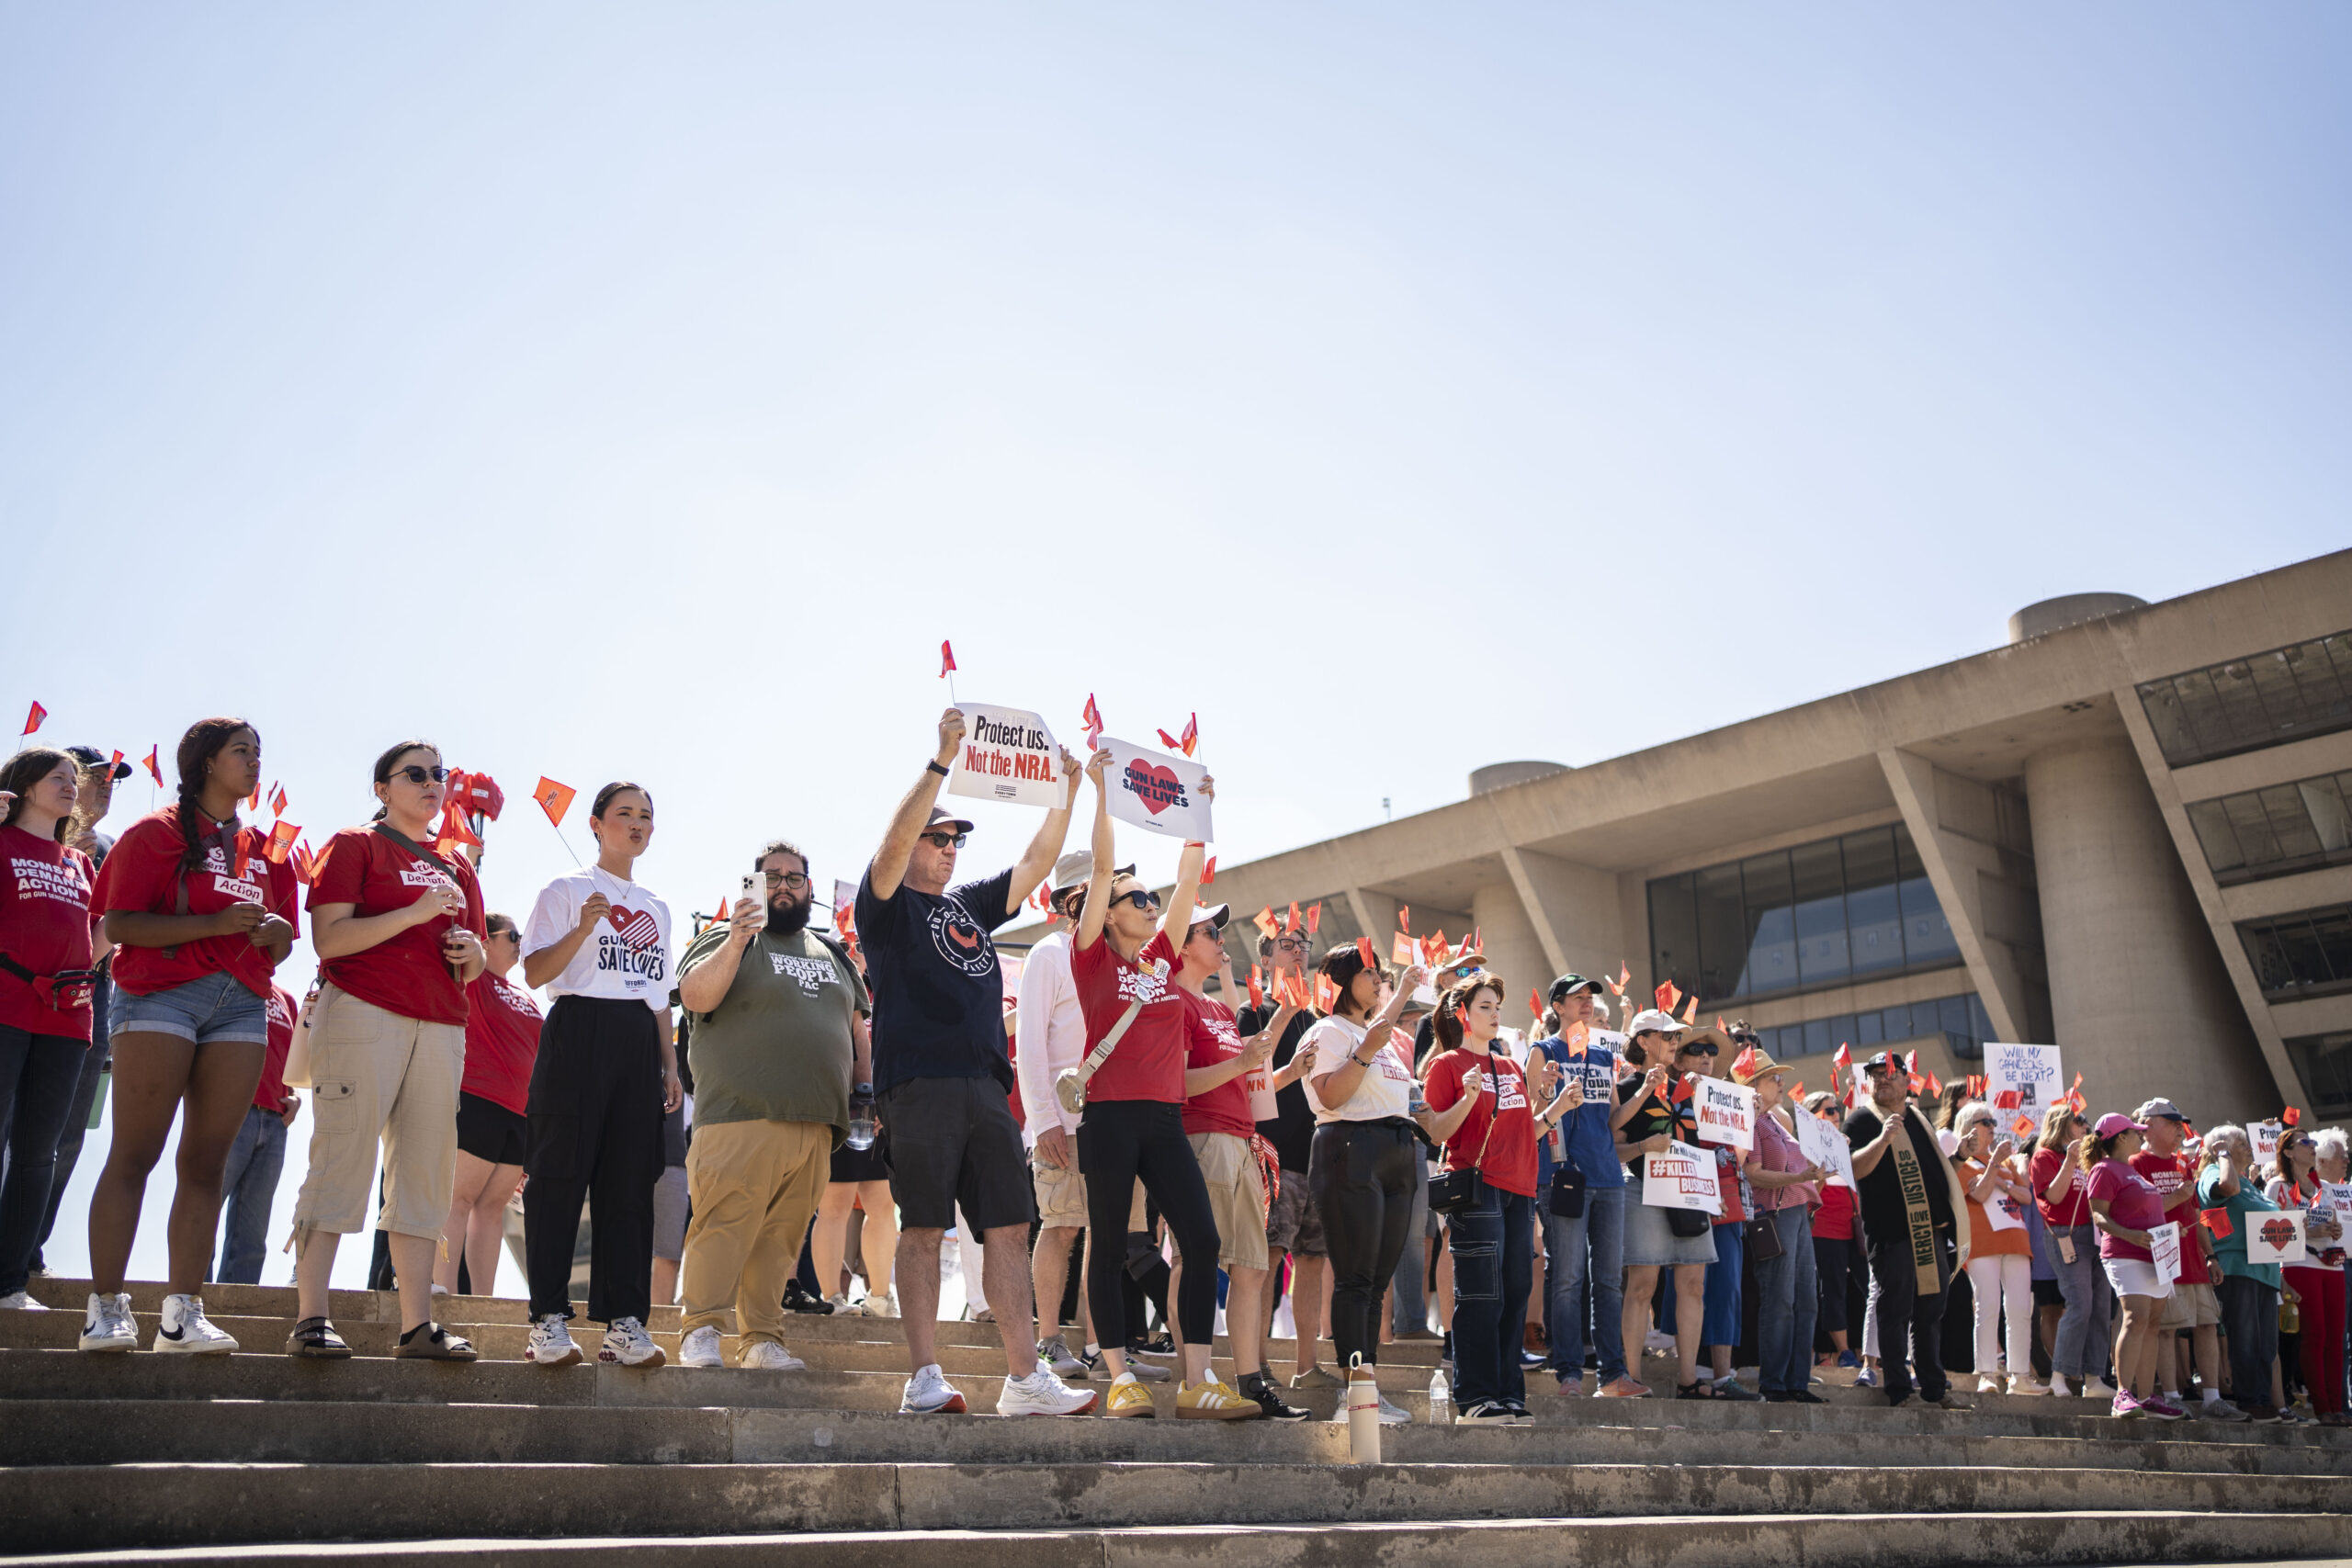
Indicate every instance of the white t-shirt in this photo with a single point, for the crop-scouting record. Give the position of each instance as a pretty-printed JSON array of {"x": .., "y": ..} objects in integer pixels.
[
  {"x": 627, "y": 961},
  {"x": 1386, "y": 1086},
  {"x": 1053, "y": 1035}
]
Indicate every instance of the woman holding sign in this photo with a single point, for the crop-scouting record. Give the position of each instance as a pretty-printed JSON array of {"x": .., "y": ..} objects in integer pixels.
[
  {"x": 2233, "y": 1209},
  {"x": 1653, "y": 1114},
  {"x": 1787, "y": 1186},
  {"x": 2124, "y": 1207},
  {"x": 397, "y": 930},
  {"x": 2000, "y": 1262},
  {"x": 2318, "y": 1281},
  {"x": 1481, "y": 1102}
]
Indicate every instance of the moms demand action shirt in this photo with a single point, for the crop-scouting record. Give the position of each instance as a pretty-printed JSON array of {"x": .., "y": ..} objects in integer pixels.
[
  {"x": 501, "y": 1042},
  {"x": 1148, "y": 1061},
  {"x": 45, "y": 924},
  {"x": 1212, "y": 1035},
  {"x": 405, "y": 974},
  {"x": 938, "y": 991},
  {"x": 142, "y": 876},
  {"x": 1501, "y": 1089}
]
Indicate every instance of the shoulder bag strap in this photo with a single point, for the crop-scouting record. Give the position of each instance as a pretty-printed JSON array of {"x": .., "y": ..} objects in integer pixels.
[{"x": 419, "y": 851}]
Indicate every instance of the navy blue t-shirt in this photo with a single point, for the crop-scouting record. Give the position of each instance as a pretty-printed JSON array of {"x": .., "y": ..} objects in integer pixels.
[
  {"x": 938, "y": 994},
  {"x": 1592, "y": 1147}
]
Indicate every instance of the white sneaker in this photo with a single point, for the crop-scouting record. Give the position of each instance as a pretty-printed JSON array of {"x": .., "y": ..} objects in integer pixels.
[
  {"x": 551, "y": 1344},
  {"x": 1989, "y": 1385},
  {"x": 700, "y": 1348},
  {"x": 929, "y": 1393},
  {"x": 1043, "y": 1393},
  {"x": 843, "y": 1307},
  {"x": 18, "y": 1301},
  {"x": 884, "y": 1306},
  {"x": 626, "y": 1343},
  {"x": 2096, "y": 1388},
  {"x": 186, "y": 1329},
  {"x": 2024, "y": 1386},
  {"x": 108, "y": 1324},
  {"x": 767, "y": 1355}
]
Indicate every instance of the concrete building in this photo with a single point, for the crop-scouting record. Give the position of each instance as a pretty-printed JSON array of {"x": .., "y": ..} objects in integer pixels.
[{"x": 2129, "y": 832}]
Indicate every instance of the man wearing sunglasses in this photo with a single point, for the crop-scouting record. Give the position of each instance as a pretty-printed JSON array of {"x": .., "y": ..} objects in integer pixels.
[
  {"x": 943, "y": 1080},
  {"x": 1916, "y": 1216}
]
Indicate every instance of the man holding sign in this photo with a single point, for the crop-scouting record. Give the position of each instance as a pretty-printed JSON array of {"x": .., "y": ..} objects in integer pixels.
[
  {"x": 942, "y": 1078},
  {"x": 1911, "y": 1205}
]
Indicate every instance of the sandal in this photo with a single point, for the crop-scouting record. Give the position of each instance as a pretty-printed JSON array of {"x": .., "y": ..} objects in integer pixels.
[
  {"x": 428, "y": 1341},
  {"x": 1694, "y": 1391},
  {"x": 316, "y": 1338}
]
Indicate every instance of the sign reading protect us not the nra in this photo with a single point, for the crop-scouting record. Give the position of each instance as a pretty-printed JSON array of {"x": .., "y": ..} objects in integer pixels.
[{"x": 1008, "y": 754}]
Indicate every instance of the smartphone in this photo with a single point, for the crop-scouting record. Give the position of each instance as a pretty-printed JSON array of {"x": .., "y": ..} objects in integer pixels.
[{"x": 755, "y": 889}]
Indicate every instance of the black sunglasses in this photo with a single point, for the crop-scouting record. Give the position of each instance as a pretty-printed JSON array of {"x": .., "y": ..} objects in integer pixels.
[
  {"x": 1139, "y": 898},
  {"x": 1705, "y": 1048},
  {"x": 417, "y": 775},
  {"x": 942, "y": 840}
]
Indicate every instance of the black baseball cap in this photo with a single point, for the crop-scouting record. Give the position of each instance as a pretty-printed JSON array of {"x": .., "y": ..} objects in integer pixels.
[
  {"x": 91, "y": 757},
  {"x": 1884, "y": 1062},
  {"x": 1569, "y": 984}
]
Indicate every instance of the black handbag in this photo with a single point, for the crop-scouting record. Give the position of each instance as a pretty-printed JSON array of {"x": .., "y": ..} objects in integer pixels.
[
  {"x": 1764, "y": 1240},
  {"x": 1567, "y": 1197},
  {"x": 1456, "y": 1192},
  {"x": 1688, "y": 1222}
]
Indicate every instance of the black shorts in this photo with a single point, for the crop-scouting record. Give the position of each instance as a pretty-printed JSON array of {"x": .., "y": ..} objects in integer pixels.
[
  {"x": 870, "y": 1164},
  {"x": 2046, "y": 1293},
  {"x": 488, "y": 1131},
  {"x": 953, "y": 1141}
]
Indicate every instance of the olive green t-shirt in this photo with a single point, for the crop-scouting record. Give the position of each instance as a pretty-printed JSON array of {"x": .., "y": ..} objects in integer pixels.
[{"x": 778, "y": 1048}]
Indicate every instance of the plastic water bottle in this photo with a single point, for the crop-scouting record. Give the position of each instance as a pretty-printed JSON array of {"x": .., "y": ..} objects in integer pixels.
[
  {"x": 1440, "y": 1400},
  {"x": 861, "y": 1118}
]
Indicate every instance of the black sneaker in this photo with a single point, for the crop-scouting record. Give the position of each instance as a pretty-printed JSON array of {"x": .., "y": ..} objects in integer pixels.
[
  {"x": 798, "y": 1300},
  {"x": 1164, "y": 1346},
  {"x": 1257, "y": 1389}
]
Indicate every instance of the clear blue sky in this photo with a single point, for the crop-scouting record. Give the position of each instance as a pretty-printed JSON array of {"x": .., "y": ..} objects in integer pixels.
[{"x": 647, "y": 390}]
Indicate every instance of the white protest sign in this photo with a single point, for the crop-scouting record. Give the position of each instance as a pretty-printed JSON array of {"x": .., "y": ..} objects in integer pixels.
[
  {"x": 1155, "y": 792},
  {"x": 2275, "y": 1238},
  {"x": 1726, "y": 1112},
  {"x": 1008, "y": 754},
  {"x": 2336, "y": 1198},
  {"x": 1259, "y": 1082},
  {"x": 1682, "y": 1178},
  {"x": 1826, "y": 1146},
  {"x": 2265, "y": 1136},
  {"x": 2031, "y": 1070},
  {"x": 2164, "y": 1248}
]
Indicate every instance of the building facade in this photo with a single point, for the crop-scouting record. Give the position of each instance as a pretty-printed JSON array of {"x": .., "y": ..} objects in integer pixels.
[{"x": 2128, "y": 832}]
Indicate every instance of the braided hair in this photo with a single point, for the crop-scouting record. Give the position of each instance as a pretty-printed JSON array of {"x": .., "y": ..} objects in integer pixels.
[{"x": 202, "y": 742}]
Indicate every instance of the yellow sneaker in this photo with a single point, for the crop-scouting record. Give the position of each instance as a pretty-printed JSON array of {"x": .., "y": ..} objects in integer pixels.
[
  {"x": 1129, "y": 1397},
  {"x": 1213, "y": 1401}
]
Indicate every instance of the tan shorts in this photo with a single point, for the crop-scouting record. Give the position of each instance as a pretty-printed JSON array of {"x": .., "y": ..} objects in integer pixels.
[
  {"x": 1061, "y": 1194},
  {"x": 2191, "y": 1306},
  {"x": 376, "y": 1075},
  {"x": 1236, "y": 1197}
]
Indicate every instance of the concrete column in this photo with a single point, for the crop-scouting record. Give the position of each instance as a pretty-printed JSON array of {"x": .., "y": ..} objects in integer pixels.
[
  {"x": 1513, "y": 950},
  {"x": 2141, "y": 1002}
]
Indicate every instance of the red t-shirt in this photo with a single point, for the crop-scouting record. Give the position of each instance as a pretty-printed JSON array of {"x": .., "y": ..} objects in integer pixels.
[
  {"x": 2130, "y": 1201},
  {"x": 405, "y": 974},
  {"x": 45, "y": 925},
  {"x": 269, "y": 1094},
  {"x": 1212, "y": 1034},
  {"x": 1149, "y": 1062},
  {"x": 2168, "y": 1174},
  {"x": 1509, "y": 1162},
  {"x": 1835, "y": 1221},
  {"x": 2041, "y": 1170},
  {"x": 501, "y": 1041},
  {"x": 142, "y": 876}
]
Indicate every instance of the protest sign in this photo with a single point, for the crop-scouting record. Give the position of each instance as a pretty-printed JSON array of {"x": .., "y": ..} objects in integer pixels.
[
  {"x": 2265, "y": 1136},
  {"x": 2275, "y": 1238},
  {"x": 2003, "y": 1212},
  {"x": 1726, "y": 1112},
  {"x": 1157, "y": 791},
  {"x": 2031, "y": 1070},
  {"x": 1826, "y": 1146},
  {"x": 1008, "y": 754},
  {"x": 1682, "y": 1178},
  {"x": 2164, "y": 1248},
  {"x": 2337, "y": 1198}
]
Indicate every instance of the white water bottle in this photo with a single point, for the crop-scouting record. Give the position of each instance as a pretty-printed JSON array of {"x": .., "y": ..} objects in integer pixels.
[
  {"x": 1440, "y": 1400},
  {"x": 1363, "y": 1394}
]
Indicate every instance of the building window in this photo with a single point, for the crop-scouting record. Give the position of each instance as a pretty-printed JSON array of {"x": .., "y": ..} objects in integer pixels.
[
  {"x": 1960, "y": 1019},
  {"x": 2303, "y": 955},
  {"x": 2275, "y": 831},
  {"x": 2324, "y": 1064},
  {"x": 1823, "y": 914},
  {"x": 2284, "y": 694}
]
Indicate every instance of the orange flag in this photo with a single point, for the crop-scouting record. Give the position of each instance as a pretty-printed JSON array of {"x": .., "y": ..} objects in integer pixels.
[
  {"x": 1091, "y": 717},
  {"x": 1404, "y": 916},
  {"x": 946, "y": 658},
  {"x": 1797, "y": 1093},
  {"x": 1363, "y": 951},
  {"x": 1264, "y": 921},
  {"x": 1257, "y": 988},
  {"x": 1192, "y": 736},
  {"x": 152, "y": 771},
  {"x": 2022, "y": 1126},
  {"x": 1400, "y": 950},
  {"x": 278, "y": 800},
  {"x": 1667, "y": 996},
  {"x": 555, "y": 799},
  {"x": 281, "y": 841},
  {"x": 1167, "y": 740},
  {"x": 33, "y": 716},
  {"x": 1691, "y": 1008},
  {"x": 1535, "y": 1003},
  {"x": 1327, "y": 995},
  {"x": 1208, "y": 871},
  {"x": 1314, "y": 916},
  {"x": 253, "y": 801},
  {"x": 1290, "y": 923}
]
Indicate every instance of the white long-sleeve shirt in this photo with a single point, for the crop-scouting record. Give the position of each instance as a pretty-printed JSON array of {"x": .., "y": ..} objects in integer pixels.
[{"x": 1053, "y": 1035}]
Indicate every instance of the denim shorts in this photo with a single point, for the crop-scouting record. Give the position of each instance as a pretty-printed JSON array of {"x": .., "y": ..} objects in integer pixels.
[{"x": 214, "y": 1007}]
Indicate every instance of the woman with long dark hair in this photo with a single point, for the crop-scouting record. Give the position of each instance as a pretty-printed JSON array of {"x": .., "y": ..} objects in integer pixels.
[
  {"x": 606, "y": 1074},
  {"x": 199, "y": 917},
  {"x": 46, "y": 975},
  {"x": 398, "y": 929}
]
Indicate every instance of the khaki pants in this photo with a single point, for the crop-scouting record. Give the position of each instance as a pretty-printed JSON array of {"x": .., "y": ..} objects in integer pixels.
[
  {"x": 377, "y": 1075},
  {"x": 755, "y": 1186}
]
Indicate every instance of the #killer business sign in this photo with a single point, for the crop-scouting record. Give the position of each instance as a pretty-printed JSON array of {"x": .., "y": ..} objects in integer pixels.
[
  {"x": 1682, "y": 1178},
  {"x": 1157, "y": 791},
  {"x": 1008, "y": 755}
]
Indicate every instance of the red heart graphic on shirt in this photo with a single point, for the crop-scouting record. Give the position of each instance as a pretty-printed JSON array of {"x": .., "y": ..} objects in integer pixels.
[
  {"x": 1154, "y": 786},
  {"x": 638, "y": 927}
]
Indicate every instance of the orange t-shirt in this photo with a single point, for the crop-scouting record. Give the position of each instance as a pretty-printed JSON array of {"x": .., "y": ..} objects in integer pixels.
[{"x": 1984, "y": 1240}]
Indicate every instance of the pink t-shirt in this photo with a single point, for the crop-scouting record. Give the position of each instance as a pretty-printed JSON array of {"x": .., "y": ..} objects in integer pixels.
[{"x": 2129, "y": 1201}]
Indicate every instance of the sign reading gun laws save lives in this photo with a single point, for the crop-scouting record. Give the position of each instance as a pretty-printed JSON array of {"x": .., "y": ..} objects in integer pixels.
[
  {"x": 1155, "y": 792},
  {"x": 1007, "y": 755},
  {"x": 1682, "y": 1178}
]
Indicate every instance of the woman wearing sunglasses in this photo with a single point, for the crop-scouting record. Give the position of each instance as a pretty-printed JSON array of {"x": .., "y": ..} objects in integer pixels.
[
  {"x": 2064, "y": 1198},
  {"x": 2318, "y": 1282},
  {"x": 397, "y": 930},
  {"x": 501, "y": 1042},
  {"x": 606, "y": 1076}
]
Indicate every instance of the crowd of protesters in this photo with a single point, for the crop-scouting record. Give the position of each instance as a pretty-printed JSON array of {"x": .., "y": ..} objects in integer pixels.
[{"x": 1360, "y": 1142}]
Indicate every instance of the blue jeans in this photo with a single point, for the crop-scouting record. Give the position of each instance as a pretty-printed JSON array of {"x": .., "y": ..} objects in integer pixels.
[
  {"x": 1580, "y": 1251},
  {"x": 38, "y": 1074},
  {"x": 1494, "y": 1268},
  {"x": 2081, "y": 1350},
  {"x": 1787, "y": 1301},
  {"x": 248, "y": 1186},
  {"x": 1721, "y": 1325}
]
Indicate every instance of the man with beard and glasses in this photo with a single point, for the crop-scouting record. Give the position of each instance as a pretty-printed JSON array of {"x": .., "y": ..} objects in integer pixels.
[{"x": 777, "y": 1048}]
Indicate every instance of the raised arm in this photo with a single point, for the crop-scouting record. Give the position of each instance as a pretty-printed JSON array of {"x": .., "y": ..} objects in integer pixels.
[
  {"x": 1036, "y": 861},
  {"x": 1096, "y": 909},
  {"x": 889, "y": 866}
]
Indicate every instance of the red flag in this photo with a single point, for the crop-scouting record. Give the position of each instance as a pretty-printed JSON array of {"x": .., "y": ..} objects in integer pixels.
[
  {"x": 1167, "y": 739},
  {"x": 1935, "y": 1085},
  {"x": 33, "y": 716},
  {"x": 243, "y": 860},
  {"x": 253, "y": 801},
  {"x": 1691, "y": 1008},
  {"x": 1404, "y": 916},
  {"x": 1208, "y": 871},
  {"x": 1264, "y": 921},
  {"x": 152, "y": 771},
  {"x": 1291, "y": 922},
  {"x": 1535, "y": 1003},
  {"x": 116, "y": 761},
  {"x": 454, "y": 829},
  {"x": 2075, "y": 1096},
  {"x": 281, "y": 841},
  {"x": 1314, "y": 916},
  {"x": 483, "y": 797},
  {"x": 555, "y": 799},
  {"x": 278, "y": 800},
  {"x": 1743, "y": 1066},
  {"x": 1091, "y": 717},
  {"x": 1721, "y": 1026},
  {"x": 1478, "y": 938},
  {"x": 2291, "y": 1116},
  {"x": 1666, "y": 995},
  {"x": 2008, "y": 1099},
  {"x": 2022, "y": 1126},
  {"x": 946, "y": 658},
  {"x": 1363, "y": 951},
  {"x": 1797, "y": 1093},
  {"x": 1257, "y": 988},
  {"x": 1623, "y": 976},
  {"x": 1192, "y": 736},
  {"x": 2216, "y": 1221},
  {"x": 1845, "y": 1064}
]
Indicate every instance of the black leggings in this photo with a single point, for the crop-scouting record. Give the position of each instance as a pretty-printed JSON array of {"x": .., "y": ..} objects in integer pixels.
[
  {"x": 595, "y": 1132},
  {"x": 1119, "y": 1141},
  {"x": 1362, "y": 1177}
]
